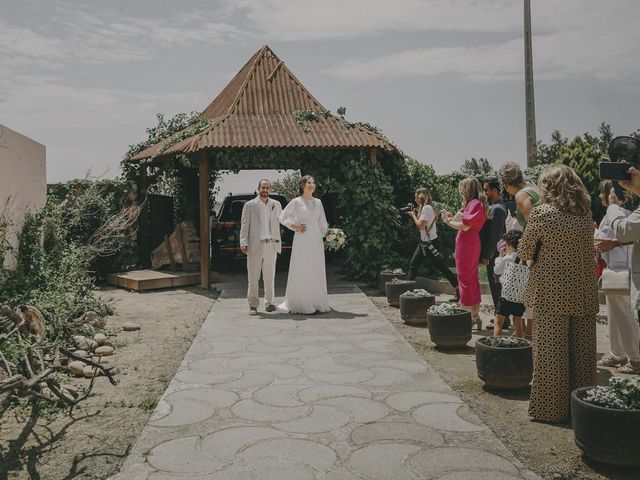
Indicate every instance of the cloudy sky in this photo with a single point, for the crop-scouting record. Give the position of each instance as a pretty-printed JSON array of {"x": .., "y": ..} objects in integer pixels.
[{"x": 442, "y": 78}]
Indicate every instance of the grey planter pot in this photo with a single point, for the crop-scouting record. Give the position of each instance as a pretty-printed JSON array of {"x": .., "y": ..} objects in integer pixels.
[
  {"x": 504, "y": 368},
  {"x": 607, "y": 435},
  {"x": 394, "y": 290},
  {"x": 413, "y": 309},
  {"x": 387, "y": 277},
  {"x": 450, "y": 331}
]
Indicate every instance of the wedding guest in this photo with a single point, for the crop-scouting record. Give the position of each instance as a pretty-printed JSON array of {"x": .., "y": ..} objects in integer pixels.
[
  {"x": 562, "y": 292},
  {"x": 506, "y": 308},
  {"x": 527, "y": 196},
  {"x": 475, "y": 211},
  {"x": 425, "y": 221},
  {"x": 620, "y": 225},
  {"x": 491, "y": 234}
]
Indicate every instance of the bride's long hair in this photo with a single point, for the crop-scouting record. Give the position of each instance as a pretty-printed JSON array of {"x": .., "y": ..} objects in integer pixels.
[{"x": 303, "y": 181}]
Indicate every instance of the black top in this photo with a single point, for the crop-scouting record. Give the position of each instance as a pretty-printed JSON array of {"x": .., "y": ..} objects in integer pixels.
[{"x": 493, "y": 230}]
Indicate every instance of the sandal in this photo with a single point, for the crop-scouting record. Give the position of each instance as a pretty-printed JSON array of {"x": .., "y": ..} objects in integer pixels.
[
  {"x": 628, "y": 368},
  {"x": 611, "y": 362}
]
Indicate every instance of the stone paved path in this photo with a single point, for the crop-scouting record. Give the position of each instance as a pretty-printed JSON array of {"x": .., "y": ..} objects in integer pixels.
[{"x": 338, "y": 396}]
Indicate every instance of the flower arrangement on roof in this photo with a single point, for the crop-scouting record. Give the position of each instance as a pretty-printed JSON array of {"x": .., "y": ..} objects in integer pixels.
[
  {"x": 621, "y": 393},
  {"x": 446, "y": 309}
]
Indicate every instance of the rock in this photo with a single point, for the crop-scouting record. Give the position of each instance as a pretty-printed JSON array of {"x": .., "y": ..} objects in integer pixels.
[
  {"x": 76, "y": 367},
  {"x": 100, "y": 338},
  {"x": 90, "y": 371},
  {"x": 183, "y": 239},
  {"x": 33, "y": 320},
  {"x": 82, "y": 353},
  {"x": 81, "y": 342},
  {"x": 71, "y": 390},
  {"x": 104, "y": 351},
  {"x": 130, "y": 326},
  {"x": 93, "y": 319},
  {"x": 92, "y": 344}
]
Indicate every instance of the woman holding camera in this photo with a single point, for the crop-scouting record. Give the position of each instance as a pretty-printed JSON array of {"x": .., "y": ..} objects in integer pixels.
[{"x": 425, "y": 221}]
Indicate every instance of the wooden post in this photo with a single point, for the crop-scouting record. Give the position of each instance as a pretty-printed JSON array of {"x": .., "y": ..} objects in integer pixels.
[
  {"x": 144, "y": 232},
  {"x": 374, "y": 156},
  {"x": 205, "y": 235}
]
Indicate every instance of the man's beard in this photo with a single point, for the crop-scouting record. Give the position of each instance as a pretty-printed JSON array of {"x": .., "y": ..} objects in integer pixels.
[{"x": 264, "y": 194}]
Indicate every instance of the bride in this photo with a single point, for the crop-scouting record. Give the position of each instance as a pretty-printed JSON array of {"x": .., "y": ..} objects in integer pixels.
[{"x": 307, "y": 282}]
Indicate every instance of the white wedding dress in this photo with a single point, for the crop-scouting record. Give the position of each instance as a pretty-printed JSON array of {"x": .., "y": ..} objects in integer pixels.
[{"x": 307, "y": 282}]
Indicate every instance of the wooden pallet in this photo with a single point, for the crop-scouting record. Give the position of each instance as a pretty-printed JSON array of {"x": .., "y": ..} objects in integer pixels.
[{"x": 144, "y": 280}]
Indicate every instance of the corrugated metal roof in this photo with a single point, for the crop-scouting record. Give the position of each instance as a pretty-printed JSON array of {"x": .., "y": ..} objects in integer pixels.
[{"x": 256, "y": 109}]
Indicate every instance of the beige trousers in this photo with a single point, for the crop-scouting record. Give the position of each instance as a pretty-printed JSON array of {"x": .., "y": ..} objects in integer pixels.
[
  {"x": 261, "y": 261},
  {"x": 624, "y": 331}
]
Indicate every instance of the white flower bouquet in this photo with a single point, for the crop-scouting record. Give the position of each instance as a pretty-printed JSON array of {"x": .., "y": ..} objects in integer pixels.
[{"x": 334, "y": 240}]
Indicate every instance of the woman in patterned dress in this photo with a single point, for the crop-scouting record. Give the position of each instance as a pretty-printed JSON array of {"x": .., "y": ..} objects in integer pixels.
[
  {"x": 562, "y": 292},
  {"x": 475, "y": 211}
]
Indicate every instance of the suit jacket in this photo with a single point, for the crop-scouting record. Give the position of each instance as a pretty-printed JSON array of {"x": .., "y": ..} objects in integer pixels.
[
  {"x": 493, "y": 230},
  {"x": 251, "y": 222},
  {"x": 562, "y": 280},
  {"x": 627, "y": 229}
]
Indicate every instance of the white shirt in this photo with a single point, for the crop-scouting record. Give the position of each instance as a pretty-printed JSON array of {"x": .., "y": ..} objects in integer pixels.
[
  {"x": 502, "y": 262},
  {"x": 265, "y": 220},
  {"x": 618, "y": 257},
  {"x": 428, "y": 215}
]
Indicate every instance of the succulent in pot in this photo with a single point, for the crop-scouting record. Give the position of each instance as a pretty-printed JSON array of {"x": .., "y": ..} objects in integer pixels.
[
  {"x": 414, "y": 305},
  {"x": 606, "y": 421},
  {"x": 504, "y": 362},
  {"x": 395, "y": 287},
  {"x": 449, "y": 325}
]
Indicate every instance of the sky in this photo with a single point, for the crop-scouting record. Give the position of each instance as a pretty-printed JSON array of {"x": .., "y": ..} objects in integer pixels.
[{"x": 443, "y": 79}]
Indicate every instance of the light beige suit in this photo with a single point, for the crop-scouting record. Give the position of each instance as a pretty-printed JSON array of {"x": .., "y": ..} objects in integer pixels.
[{"x": 261, "y": 256}]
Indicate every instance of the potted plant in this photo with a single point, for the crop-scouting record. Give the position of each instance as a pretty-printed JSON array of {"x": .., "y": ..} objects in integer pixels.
[
  {"x": 414, "y": 305},
  {"x": 395, "y": 287},
  {"x": 449, "y": 325},
  {"x": 504, "y": 362},
  {"x": 606, "y": 421},
  {"x": 388, "y": 273}
]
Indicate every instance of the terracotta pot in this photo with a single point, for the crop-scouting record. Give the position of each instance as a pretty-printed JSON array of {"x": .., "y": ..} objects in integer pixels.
[
  {"x": 504, "y": 367},
  {"x": 450, "y": 331},
  {"x": 413, "y": 309},
  {"x": 387, "y": 277},
  {"x": 394, "y": 290},
  {"x": 604, "y": 434}
]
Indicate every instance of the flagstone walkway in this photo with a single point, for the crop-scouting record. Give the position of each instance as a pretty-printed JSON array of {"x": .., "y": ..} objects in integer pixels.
[{"x": 337, "y": 396}]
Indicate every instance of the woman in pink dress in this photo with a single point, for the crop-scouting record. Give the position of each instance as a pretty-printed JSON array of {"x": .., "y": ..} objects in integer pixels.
[{"x": 475, "y": 211}]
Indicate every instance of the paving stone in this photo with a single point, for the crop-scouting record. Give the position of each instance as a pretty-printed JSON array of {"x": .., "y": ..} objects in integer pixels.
[
  {"x": 396, "y": 432},
  {"x": 293, "y": 451},
  {"x": 406, "y": 401},
  {"x": 181, "y": 456},
  {"x": 435, "y": 462},
  {"x": 225, "y": 444},
  {"x": 252, "y": 410},
  {"x": 321, "y": 419},
  {"x": 279, "y": 395},
  {"x": 277, "y": 469},
  {"x": 344, "y": 378},
  {"x": 384, "y": 461},
  {"x": 444, "y": 416},
  {"x": 231, "y": 472},
  {"x": 384, "y": 377},
  {"x": 340, "y": 473},
  {"x": 313, "y": 394},
  {"x": 361, "y": 410},
  {"x": 475, "y": 475}
]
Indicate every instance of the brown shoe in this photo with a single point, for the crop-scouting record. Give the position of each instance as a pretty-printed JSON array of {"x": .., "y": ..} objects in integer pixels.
[
  {"x": 253, "y": 311},
  {"x": 270, "y": 308}
]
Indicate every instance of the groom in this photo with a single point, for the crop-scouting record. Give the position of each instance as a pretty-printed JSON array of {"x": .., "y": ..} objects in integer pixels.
[{"x": 260, "y": 242}]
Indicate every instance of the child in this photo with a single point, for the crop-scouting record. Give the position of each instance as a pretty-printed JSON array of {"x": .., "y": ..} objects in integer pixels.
[{"x": 505, "y": 307}]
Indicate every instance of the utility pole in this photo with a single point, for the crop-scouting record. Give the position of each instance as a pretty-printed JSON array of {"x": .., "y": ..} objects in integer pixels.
[{"x": 528, "y": 82}]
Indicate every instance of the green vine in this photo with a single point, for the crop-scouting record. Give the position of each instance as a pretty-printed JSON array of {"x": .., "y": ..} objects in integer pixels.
[{"x": 303, "y": 117}]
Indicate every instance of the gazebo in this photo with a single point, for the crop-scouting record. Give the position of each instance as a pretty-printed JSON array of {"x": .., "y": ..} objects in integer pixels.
[{"x": 263, "y": 108}]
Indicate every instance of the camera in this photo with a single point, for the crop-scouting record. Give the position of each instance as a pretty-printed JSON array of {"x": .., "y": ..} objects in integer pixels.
[
  {"x": 410, "y": 206},
  {"x": 620, "y": 148}
]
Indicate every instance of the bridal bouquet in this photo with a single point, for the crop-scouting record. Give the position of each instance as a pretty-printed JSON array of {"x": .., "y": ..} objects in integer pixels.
[{"x": 334, "y": 240}]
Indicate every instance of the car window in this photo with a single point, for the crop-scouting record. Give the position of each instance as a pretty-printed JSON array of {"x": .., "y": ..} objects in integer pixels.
[{"x": 236, "y": 210}]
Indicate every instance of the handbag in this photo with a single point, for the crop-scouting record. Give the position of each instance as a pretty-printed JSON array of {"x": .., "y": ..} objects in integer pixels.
[
  {"x": 514, "y": 281},
  {"x": 616, "y": 281}
]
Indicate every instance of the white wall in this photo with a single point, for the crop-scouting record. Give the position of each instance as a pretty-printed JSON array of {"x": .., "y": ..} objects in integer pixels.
[{"x": 23, "y": 178}]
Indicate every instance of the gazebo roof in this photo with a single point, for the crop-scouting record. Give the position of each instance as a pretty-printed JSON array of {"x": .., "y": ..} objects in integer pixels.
[{"x": 256, "y": 110}]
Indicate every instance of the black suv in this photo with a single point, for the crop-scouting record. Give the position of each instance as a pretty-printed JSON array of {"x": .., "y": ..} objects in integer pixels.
[{"x": 225, "y": 232}]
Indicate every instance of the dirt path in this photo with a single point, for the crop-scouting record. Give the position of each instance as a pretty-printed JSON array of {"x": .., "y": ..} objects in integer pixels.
[
  {"x": 95, "y": 441},
  {"x": 548, "y": 450}
]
